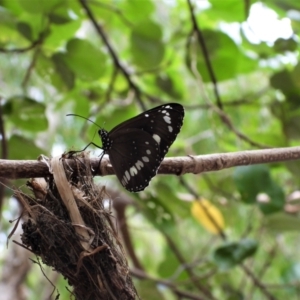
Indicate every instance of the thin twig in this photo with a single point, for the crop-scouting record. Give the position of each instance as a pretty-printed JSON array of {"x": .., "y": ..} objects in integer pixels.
[
  {"x": 25, "y": 49},
  {"x": 204, "y": 208},
  {"x": 112, "y": 53},
  {"x": 195, "y": 280},
  {"x": 219, "y": 107},
  {"x": 197, "y": 30},
  {"x": 257, "y": 283}
]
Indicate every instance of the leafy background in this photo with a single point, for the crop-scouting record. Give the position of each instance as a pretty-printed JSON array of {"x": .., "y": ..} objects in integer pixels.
[{"x": 241, "y": 91}]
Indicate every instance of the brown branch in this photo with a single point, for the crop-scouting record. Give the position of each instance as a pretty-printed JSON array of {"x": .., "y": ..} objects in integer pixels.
[{"x": 180, "y": 165}]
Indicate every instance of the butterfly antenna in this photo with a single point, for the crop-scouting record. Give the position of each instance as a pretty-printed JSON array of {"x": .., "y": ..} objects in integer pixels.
[{"x": 75, "y": 115}]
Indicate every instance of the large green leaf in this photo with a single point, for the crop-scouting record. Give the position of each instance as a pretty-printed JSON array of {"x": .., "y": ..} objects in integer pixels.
[
  {"x": 147, "y": 48},
  {"x": 223, "y": 53},
  {"x": 251, "y": 180},
  {"x": 26, "y": 113},
  {"x": 85, "y": 60},
  {"x": 285, "y": 81}
]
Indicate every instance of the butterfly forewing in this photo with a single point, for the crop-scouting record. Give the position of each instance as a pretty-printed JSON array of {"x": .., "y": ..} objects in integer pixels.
[{"x": 137, "y": 146}]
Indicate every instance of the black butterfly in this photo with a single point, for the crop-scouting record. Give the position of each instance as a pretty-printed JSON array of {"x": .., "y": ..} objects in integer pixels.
[{"x": 137, "y": 146}]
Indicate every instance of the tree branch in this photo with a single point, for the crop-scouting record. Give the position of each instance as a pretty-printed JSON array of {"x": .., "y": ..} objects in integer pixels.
[{"x": 13, "y": 169}]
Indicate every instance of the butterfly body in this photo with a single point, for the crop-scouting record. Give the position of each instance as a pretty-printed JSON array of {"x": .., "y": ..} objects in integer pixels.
[{"x": 137, "y": 146}]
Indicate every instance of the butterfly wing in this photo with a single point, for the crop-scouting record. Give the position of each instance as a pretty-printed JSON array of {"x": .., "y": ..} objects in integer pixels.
[
  {"x": 135, "y": 157},
  {"x": 137, "y": 146},
  {"x": 163, "y": 123}
]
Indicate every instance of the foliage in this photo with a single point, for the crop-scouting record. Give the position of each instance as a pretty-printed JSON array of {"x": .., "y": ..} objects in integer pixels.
[{"x": 205, "y": 56}]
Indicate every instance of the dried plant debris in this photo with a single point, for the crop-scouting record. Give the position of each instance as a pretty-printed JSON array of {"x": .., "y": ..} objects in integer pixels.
[{"x": 101, "y": 272}]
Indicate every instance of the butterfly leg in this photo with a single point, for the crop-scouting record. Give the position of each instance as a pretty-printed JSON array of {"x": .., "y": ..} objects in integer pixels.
[{"x": 70, "y": 153}]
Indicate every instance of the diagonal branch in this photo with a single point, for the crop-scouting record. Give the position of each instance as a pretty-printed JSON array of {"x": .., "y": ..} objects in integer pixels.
[
  {"x": 197, "y": 30},
  {"x": 112, "y": 52}
]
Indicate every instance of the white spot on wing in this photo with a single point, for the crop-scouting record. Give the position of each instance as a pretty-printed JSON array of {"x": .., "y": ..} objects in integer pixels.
[
  {"x": 133, "y": 171},
  {"x": 145, "y": 159},
  {"x": 167, "y": 119},
  {"x": 139, "y": 164},
  {"x": 127, "y": 175},
  {"x": 156, "y": 138},
  {"x": 148, "y": 152},
  {"x": 170, "y": 128}
]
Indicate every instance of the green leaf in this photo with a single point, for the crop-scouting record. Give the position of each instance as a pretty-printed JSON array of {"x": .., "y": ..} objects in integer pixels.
[
  {"x": 27, "y": 114},
  {"x": 228, "y": 11},
  {"x": 137, "y": 10},
  {"x": 157, "y": 213},
  {"x": 147, "y": 48},
  {"x": 291, "y": 273},
  {"x": 63, "y": 70},
  {"x": 169, "y": 265},
  {"x": 39, "y": 6},
  {"x": 284, "y": 81},
  {"x": 85, "y": 60},
  {"x": 148, "y": 290},
  {"x": 253, "y": 180},
  {"x": 25, "y": 30},
  {"x": 224, "y": 56},
  {"x": 168, "y": 197},
  {"x": 281, "y": 45},
  {"x": 277, "y": 199},
  {"x": 232, "y": 254},
  {"x": 61, "y": 14},
  {"x": 61, "y": 33},
  {"x": 170, "y": 84},
  {"x": 20, "y": 147},
  {"x": 46, "y": 69}
]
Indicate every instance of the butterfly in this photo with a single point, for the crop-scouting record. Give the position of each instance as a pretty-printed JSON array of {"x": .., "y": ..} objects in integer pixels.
[{"x": 136, "y": 147}]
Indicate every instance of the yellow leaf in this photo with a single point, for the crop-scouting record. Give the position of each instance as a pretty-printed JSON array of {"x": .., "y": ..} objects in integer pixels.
[{"x": 208, "y": 215}]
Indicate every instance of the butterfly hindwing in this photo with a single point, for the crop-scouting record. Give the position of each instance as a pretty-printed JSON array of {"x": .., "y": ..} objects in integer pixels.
[{"x": 135, "y": 157}]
